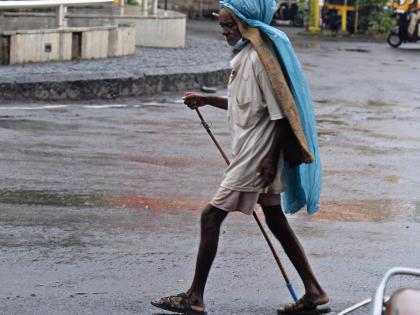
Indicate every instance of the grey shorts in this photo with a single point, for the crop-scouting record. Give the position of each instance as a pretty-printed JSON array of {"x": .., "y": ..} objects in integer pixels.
[{"x": 232, "y": 200}]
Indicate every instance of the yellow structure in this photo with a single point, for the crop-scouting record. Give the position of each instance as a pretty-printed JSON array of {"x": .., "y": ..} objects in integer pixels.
[
  {"x": 314, "y": 15},
  {"x": 342, "y": 10}
]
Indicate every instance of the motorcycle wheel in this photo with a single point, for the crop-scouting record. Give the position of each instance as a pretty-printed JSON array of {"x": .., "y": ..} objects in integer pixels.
[{"x": 394, "y": 40}]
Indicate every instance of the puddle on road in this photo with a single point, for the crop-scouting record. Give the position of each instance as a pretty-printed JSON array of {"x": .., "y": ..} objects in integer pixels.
[
  {"x": 323, "y": 101},
  {"x": 352, "y": 130},
  {"x": 155, "y": 204},
  {"x": 65, "y": 199},
  {"x": 358, "y": 50},
  {"x": 50, "y": 198},
  {"x": 36, "y": 125},
  {"x": 375, "y": 210}
]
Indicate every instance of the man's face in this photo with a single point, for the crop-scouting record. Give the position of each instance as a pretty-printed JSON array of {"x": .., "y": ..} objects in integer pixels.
[{"x": 229, "y": 27}]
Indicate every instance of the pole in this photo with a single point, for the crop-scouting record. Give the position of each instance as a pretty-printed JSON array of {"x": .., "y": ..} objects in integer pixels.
[
  {"x": 154, "y": 7},
  {"x": 356, "y": 22},
  {"x": 314, "y": 15},
  {"x": 144, "y": 7},
  {"x": 344, "y": 17},
  {"x": 61, "y": 12},
  {"x": 273, "y": 251}
]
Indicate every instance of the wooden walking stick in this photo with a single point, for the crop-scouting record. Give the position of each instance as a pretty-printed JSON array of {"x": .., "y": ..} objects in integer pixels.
[{"x": 273, "y": 251}]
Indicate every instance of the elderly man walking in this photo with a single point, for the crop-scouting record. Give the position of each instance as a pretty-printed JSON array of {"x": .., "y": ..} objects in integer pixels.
[{"x": 274, "y": 149}]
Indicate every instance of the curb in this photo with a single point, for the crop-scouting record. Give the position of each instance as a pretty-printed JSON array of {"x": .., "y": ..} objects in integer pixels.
[{"x": 112, "y": 88}]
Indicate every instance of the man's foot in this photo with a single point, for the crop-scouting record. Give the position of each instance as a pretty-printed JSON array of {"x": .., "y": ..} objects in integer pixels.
[
  {"x": 305, "y": 306},
  {"x": 179, "y": 303}
]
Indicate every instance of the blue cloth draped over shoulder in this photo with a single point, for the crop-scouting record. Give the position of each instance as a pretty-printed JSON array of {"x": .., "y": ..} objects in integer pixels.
[{"x": 304, "y": 181}]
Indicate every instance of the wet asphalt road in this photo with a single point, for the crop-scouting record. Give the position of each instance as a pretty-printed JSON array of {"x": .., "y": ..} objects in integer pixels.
[{"x": 99, "y": 202}]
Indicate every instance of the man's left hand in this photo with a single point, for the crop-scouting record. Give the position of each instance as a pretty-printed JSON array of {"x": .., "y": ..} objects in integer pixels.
[{"x": 267, "y": 171}]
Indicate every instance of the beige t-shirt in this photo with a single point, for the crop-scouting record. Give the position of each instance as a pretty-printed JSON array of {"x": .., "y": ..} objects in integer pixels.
[{"x": 252, "y": 112}]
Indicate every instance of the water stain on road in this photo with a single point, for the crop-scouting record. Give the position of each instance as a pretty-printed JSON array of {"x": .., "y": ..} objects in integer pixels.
[
  {"x": 50, "y": 198},
  {"x": 32, "y": 125},
  {"x": 351, "y": 210},
  {"x": 122, "y": 165}
]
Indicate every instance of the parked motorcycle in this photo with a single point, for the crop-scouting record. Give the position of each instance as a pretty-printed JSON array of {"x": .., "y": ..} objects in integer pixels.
[
  {"x": 292, "y": 14},
  {"x": 399, "y": 33}
]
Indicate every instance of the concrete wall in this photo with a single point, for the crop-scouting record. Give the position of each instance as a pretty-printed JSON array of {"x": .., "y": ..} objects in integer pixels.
[
  {"x": 95, "y": 44},
  {"x": 13, "y": 21},
  {"x": 66, "y": 45},
  {"x": 57, "y": 44},
  {"x": 34, "y": 47},
  {"x": 167, "y": 29},
  {"x": 122, "y": 41},
  {"x": 155, "y": 32}
]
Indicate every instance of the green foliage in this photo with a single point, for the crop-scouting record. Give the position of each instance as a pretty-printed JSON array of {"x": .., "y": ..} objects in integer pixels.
[
  {"x": 381, "y": 22},
  {"x": 132, "y": 2},
  {"x": 379, "y": 16}
]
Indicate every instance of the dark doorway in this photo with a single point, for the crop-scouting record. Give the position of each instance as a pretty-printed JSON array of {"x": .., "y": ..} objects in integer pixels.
[
  {"x": 4, "y": 49},
  {"x": 76, "y": 47}
]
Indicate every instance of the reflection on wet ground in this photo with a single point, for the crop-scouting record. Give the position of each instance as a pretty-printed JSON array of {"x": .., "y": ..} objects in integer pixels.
[
  {"x": 155, "y": 156},
  {"x": 100, "y": 202},
  {"x": 105, "y": 198},
  {"x": 370, "y": 155},
  {"x": 343, "y": 210},
  {"x": 360, "y": 50}
]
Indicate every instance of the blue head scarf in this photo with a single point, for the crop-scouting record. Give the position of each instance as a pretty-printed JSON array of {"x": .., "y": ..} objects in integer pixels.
[{"x": 304, "y": 182}]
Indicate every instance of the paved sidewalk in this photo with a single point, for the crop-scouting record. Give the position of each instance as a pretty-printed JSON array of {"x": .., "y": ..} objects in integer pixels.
[
  {"x": 147, "y": 61},
  {"x": 151, "y": 70}
]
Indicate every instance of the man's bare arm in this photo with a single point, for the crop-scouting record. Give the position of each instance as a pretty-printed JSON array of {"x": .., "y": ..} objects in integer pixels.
[{"x": 194, "y": 101}]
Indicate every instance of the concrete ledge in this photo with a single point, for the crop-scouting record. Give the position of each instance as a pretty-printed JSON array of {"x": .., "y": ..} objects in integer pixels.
[
  {"x": 26, "y": 46},
  {"x": 61, "y": 30},
  {"x": 22, "y": 4},
  {"x": 167, "y": 29},
  {"x": 112, "y": 88}
]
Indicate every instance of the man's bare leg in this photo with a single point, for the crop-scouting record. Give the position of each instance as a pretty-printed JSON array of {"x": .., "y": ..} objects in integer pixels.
[
  {"x": 211, "y": 220},
  {"x": 277, "y": 222}
]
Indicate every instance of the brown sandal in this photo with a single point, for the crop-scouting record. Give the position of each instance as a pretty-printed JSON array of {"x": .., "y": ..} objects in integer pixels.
[
  {"x": 179, "y": 304},
  {"x": 303, "y": 306}
]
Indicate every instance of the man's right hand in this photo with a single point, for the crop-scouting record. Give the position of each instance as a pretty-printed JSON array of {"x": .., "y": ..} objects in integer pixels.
[{"x": 194, "y": 101}]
